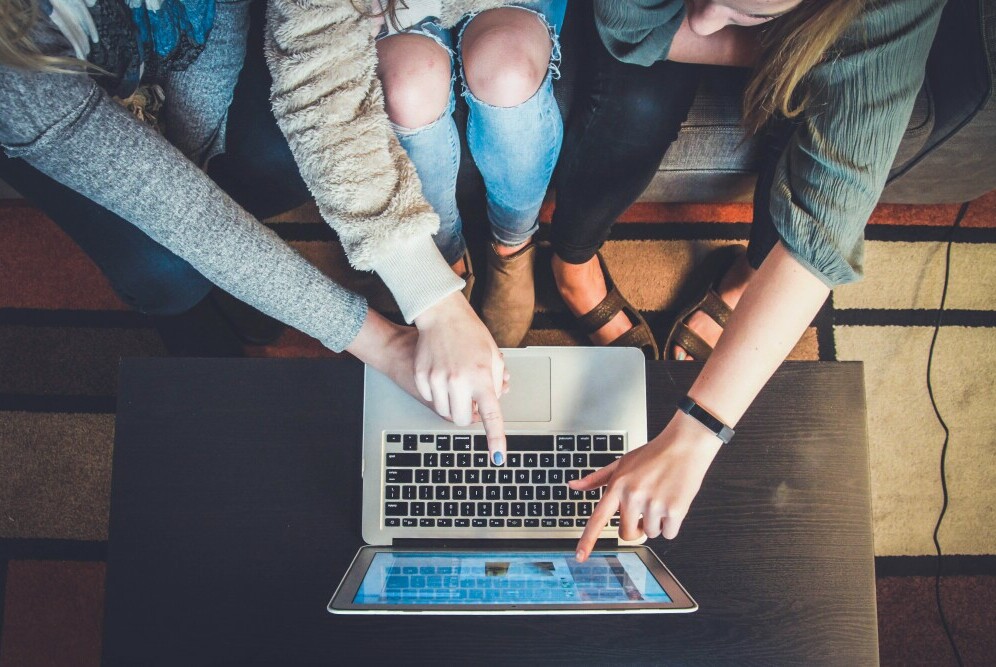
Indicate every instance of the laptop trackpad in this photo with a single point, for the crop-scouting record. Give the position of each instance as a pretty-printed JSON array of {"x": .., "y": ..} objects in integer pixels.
[{"x": 528, "y": 397}]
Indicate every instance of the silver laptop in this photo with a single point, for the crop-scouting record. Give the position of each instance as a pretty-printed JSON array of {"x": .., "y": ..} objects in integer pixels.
[{"x": 429, "y": 487}]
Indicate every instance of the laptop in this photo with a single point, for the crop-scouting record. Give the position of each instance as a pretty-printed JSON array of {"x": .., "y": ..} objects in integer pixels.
[{"x": 449, "y": 532}]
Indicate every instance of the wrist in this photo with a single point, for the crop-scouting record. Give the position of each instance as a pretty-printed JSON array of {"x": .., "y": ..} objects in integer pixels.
[
  {"x": 442, "y": 310},
  {"x": 688, "y": 431}
]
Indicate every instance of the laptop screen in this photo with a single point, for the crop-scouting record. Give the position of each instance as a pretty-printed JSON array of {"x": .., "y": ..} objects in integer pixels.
[{"x": 508, "y": 578}]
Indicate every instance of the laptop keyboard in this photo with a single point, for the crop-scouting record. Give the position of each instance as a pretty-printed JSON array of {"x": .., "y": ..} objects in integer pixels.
[{"x": 447, "y": 481}]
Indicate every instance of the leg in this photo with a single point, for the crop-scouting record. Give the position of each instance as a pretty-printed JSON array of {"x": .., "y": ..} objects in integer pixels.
[
  {"x": 514, "y": 132},
  {"x": 257, "y": 168},
  {"x": 625, "y": 121},
  {"x": 416, "y": 72}
]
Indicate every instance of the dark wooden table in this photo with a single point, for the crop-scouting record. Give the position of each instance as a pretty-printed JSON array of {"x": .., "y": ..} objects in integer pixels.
[{"x": 235, "y": 511}]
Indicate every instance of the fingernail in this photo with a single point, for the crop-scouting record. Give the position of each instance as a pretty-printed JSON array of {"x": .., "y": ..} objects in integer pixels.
[
  {"x": 498, "y": 458},
  {"x": 579, "y": 555},
  {"x": 680, "y": 356}
]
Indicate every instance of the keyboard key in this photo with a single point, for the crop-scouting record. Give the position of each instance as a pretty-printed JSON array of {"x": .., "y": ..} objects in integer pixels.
[
  {"x": 394, "y": 437},
  {"x": 616, "y": 443},
  {"x": 530, "y": 443},
  {"x": 551, "y": 509},
  {"x": 463, "y": 460},
  {"x": 514, "y": 523},
  {"x": 399, "y": 460},
  {"x": 614, "y": 521},
  {"x": 461, "y": 523},
  {"x": 566, "y": 444},
  {"x": 584, "y": 509},
  {"x": 480, "y": 443},
  {"x": 459, "y": 492},
  {"x": 496, "y": 523},
  {"x": 422, "y": 476},
  {"x": 427, "y": 523},
  {"x": 409, "y": 523},
  {"x": 450, "y": 509},
  {"x": 395, "y": 476},
  {"x": 514, "y": 460},
  {"x": 584, "y": 443},
  {"x": 575, "y": 495},
  {"x": 560, "y": 492},
  {"x": 435, "y": 509},
  {"x": 567, "y": 509},
  {"x": 480, "y": 460},
  {"x": 566, "y": 523},
  {"x": 417, "y": 509},
  {"x": 477, "y": 493},
  {"x": 425, "y": 493},
  {"x": 442, "y": 493},
  {"x": 492, "y": 492},
  {"x": 392, "y": 492},
  {"x": 505, "y": 476},
  {"x": 535, "y": 509},
  {"x": 572, "y": 474},
  {"x": 484, "y": 509},
  {"x": 579, "y": 460},
  {"x": 455, "y": 477},
  {"x": 509, "y": 493},
  {"x": 410, "y": 441},
  {"x": 461, "y": 443},
  {"x": 521, "y": 476},
  {"x": 581, "y": 523},
  {"x": 546, "y": 460},
  {"x": 543, "y": 493},
  {"x": 447, "y": 460},
  {"x": 430, "y": 459},
  {"x": 601, "y": 460},
  {"x": 549, "y": 523},
  {"x": 555, "y": 477},
  {"x": 489, "y": 476},
  {"x": 438, "y": 476},
  {"x": 444, "y": 523},
  {"x": 427, "y": 437},
  {"x": 392, "y": 522},
  {"x": 518, "y": 509},
  {"x": 538, "y": 477},
  {"x": 409, "y": 492},
  {"x": 468, "y": 509},
  {"x": 530, "y": 460},
  {"x": 526, "y": 493},
  {"x": 395, "y": 509},
  {"x": 501, "y": 509},
  {"x": 593, "y": 494},
  {"x": 531, "y": 523},
  {"x": 442, "y": 443},
  {"x": 473, "y": 477},
  {"x": 479, "y": 523},
  {"x": 601, "y": 443}
]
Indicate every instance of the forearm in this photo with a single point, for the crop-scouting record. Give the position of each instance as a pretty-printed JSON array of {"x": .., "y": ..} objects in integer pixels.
[
  {"x": 95, "y": 148},
  {"x": 733, "y": 46},
  {"x": 781, "y": 300}
]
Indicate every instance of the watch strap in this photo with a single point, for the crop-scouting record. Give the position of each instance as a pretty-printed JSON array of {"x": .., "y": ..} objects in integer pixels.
[{"x": 706, "y": 418}]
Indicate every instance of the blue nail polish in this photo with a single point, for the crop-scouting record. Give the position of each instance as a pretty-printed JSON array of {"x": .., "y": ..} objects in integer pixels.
[{"x": 498, "y": 458}]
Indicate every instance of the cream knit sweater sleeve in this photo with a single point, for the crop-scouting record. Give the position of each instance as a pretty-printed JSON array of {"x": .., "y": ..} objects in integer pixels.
[{"x": 329, "y": 104}]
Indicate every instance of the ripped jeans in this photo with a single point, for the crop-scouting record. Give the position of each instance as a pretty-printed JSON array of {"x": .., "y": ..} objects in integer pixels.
[{"x": 515, "y": 148}]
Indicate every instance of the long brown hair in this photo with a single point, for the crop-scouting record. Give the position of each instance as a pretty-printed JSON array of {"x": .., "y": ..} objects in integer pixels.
[
  {"x": 389, "y": 11},
  {"x": 18, "y": 49},
  {"x": 790, "y": 48}
]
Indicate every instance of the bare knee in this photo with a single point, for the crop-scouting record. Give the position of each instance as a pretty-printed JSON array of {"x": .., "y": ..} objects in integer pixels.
[
  {"x": 415, "y": 73},
  {"x": 506, "y": 54}
]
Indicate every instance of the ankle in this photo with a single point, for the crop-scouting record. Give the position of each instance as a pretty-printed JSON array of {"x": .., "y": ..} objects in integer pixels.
[{"x": 576, "y": 277}]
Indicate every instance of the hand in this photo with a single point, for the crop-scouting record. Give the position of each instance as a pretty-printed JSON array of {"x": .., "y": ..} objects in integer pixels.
[
  {"x": 656, "y": 482},
  {"x": 459, "y": 369}
]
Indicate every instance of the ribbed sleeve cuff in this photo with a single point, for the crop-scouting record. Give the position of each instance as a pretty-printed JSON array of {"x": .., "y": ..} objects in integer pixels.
[{"x": 417, "y": 276}]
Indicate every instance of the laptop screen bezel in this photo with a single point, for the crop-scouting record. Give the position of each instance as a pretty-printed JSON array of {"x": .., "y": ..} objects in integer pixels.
[{"x": 342, "y": 599}]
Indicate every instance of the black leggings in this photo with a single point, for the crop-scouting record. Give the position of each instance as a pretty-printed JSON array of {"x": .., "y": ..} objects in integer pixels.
[{"x": 624, "y": 119}]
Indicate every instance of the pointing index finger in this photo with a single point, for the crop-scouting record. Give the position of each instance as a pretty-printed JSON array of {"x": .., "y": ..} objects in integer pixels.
[
  {"x": 494, "y": 425},
  {"x": 606, "y": 507}
]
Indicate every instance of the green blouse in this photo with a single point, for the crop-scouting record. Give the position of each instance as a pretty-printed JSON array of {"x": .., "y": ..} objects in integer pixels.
[{"x": 830, "y": 177}]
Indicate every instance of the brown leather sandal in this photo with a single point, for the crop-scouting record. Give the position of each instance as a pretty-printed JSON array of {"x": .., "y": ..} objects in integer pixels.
[
  {"x": 709, "y": 303},
  {"x": 639, "y": 335}
]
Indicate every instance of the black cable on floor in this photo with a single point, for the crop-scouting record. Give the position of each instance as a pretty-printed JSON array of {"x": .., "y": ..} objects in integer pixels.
[{"x": 947, "y": 433}]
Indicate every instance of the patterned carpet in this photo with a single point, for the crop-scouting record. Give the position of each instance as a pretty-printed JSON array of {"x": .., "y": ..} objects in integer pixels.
[{"x": 62, "y": 331}]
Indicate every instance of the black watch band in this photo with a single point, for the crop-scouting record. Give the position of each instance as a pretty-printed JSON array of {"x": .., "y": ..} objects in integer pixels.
[{"x": 704, "y": 417}]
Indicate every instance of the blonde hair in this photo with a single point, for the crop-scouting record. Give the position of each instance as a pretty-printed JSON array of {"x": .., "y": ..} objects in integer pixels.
[
  {"x": 18, "y": 49},
  {"x": 790, "y": 48}
]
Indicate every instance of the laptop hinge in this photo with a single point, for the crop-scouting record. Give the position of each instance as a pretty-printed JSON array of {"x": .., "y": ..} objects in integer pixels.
[{"x": 499, "y": 544}]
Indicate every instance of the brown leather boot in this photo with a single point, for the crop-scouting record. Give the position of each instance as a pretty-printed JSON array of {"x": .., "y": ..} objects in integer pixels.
[
  {"x": 469, "y": 278},
  {"x": 509, "y": 295}
]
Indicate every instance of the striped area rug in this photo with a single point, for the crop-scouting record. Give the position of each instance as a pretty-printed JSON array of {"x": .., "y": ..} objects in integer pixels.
[{"x": 62, "y": 332}]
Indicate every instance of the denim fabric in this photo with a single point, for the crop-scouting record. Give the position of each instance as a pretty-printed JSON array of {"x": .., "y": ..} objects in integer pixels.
[{"x": 515, "y": 148}]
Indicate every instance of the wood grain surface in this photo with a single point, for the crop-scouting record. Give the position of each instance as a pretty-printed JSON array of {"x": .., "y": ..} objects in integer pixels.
[{"x": 235, "y": 512}]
